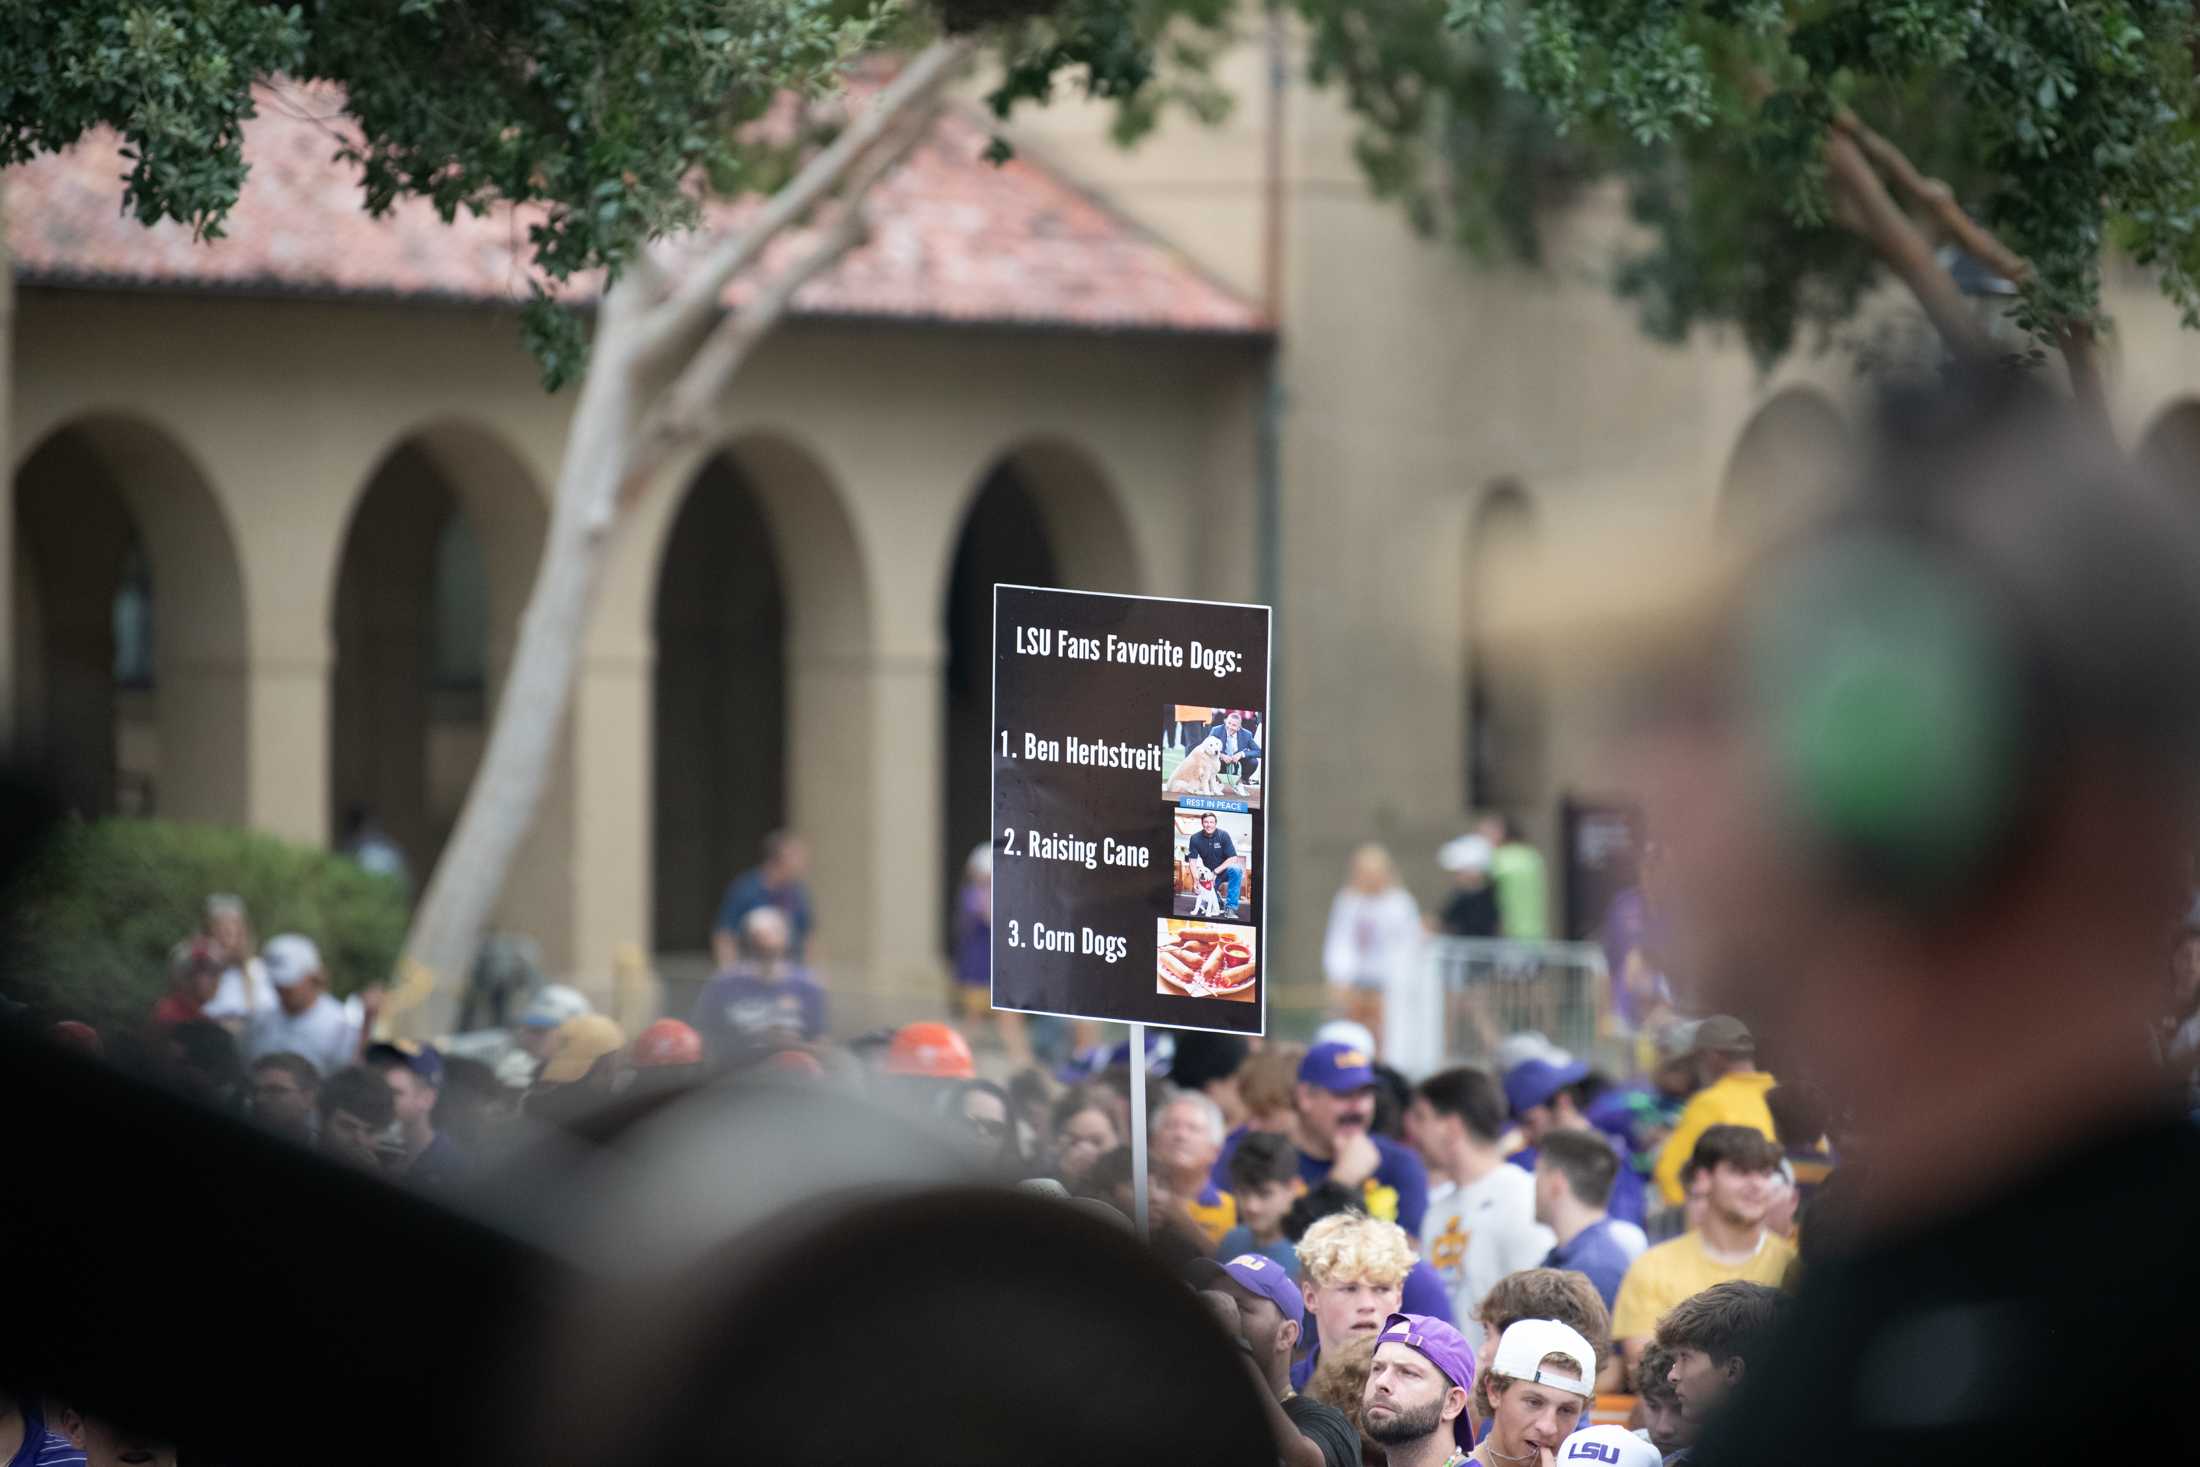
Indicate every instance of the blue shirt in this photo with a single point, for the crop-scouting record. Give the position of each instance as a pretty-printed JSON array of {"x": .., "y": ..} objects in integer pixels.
[
  {"x": 1240, "y": 1240},
  {"x": 43, "y": 1448},
  {"x": 748, "y": 892},
  {"x": 735, "y": 1007},
  {"x": 1595, "y": 1252},
  {"x": 1630, "y": 1199},
  {"x": 1398, "y": 1192},
  {"x": 1211, "y": 850}
]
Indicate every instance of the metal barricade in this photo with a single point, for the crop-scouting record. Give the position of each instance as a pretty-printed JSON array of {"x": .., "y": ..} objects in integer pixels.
[{"x": 1494, "y": 988}]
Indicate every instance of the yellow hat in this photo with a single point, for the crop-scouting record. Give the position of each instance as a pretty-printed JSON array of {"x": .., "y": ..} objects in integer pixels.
[{"x": 578, "y": 1044}]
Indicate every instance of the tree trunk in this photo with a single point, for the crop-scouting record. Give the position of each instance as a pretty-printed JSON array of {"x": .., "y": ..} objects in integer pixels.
[{"x": 515, "y": 767}]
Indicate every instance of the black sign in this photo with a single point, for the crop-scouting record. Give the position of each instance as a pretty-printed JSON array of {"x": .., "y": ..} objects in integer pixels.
[{"x": 1130, "y": 773}]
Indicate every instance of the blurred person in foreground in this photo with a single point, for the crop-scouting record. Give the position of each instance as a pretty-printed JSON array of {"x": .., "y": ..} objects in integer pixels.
[
  {"x": 1740, "y": 1173},
  {"x": 779, "y": 881},
  {"x": 1187, "y": 1139},
  {"x": 1543, "y": 1293},
  {"x": 1211, "y": 1064},
  {"x": 1712, "y": 1340},
  {"x": 285, "y": 1089},
  {"x": 1925, "y": 782},
  {"x": 1333, "y": 1123},
  {"x": 1733, "y": 1094},
  {"x": 27, "y": 1439},
  {"x": 1267, "y": 1314},
  {"x": 1664, "y": 1425},
  {"x": 106, "y": 1445},
  {"x": 1481, "y": 1222},
  {"x": 1541, "y": 1381}
]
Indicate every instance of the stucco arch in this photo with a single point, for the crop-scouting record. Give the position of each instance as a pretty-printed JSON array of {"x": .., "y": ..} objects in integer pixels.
[
  {"x": 1088, "y": 526},
  {"x": 1787, "y": 458},
  {"x": 81, "y": 493},
  {"x": 759, "y": 615}
]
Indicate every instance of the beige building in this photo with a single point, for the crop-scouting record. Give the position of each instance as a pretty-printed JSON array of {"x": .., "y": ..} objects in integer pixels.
[{"x": 277, "y": 502}]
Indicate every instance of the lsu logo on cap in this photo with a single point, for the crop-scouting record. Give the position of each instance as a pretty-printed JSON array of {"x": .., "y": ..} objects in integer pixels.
[
  {"x": 1253, "y": 1261},
  {"x": 1351, "y": 1059},
  {"x": 1589, "y": 1451}
]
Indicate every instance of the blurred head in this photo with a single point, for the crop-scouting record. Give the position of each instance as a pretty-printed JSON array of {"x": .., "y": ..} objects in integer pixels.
[
  {"x": 584, "y": 1051},
  {"x": 285, "y": 1088},
  {"x": 1340, "y": 1379},
  {"x": 229, "y": 927},
  {"x": 1669, "y": 1429},
  {"x": 203, "y": 1060},
  {"x": 1233, "y": 721},
  {"x": 1084, "y": 1129},
  {"x": 978, "y": 1110},
  {"x": 1859, "y": 848},
  {"x": 294, "y": 967},
  {"x": 1268, "y": 1085},
  {"x": 765, "y": 934},
  {"x": 1353, "y": 1273},
  {"x": 1212, "y": 1064},
  {"x": 1573, "y": 1166},
  {"x": 786, "y": 857},
  {"x": 1712, "y": 1337},
  {"x": 356, "y": 1108},
  {"x": 1187, "y": 1136},
  {"x": 195, "y": 968},
  {"x": 107, "y": 1445},
  {"x": 412, "y": 1096},
  {"x": 1739, "y": 1170},
  {"x": 1371, "y": 871}
]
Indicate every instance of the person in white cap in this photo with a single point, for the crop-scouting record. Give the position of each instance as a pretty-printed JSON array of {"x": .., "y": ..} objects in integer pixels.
[
  {"x": 1540, "y": 1383},
  {"x": 1471, "y": 910},
  {"x": 304, "y": 1019}
]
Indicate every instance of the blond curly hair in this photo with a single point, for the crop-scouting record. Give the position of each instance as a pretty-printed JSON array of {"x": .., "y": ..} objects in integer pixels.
[{"x": 1351, "y": 1247}]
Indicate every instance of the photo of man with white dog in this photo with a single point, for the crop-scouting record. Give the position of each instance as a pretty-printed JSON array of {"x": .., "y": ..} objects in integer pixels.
[
  {"x": 1214, "y": 864},
  {"x": 1214, "y": 753}
]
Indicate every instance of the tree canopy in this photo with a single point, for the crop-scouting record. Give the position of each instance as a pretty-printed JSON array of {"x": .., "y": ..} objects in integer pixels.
[
  {"x": 608, "y": 119},
  {"x": 1785, "y": 157}
]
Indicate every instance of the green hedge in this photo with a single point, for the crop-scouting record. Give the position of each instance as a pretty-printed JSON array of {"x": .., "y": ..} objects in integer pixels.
[{"x": 98, "y": 912}]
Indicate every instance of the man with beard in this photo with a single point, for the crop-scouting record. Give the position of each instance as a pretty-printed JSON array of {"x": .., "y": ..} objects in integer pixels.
[
  {"x": 1418, "y": 1386},
  {"x": 1260, "y": 1303},
  {"x": 1740, "y": 1171},
  {"x": 1540, "y": 1386},
  {"x": 1334, "y": 1111}
]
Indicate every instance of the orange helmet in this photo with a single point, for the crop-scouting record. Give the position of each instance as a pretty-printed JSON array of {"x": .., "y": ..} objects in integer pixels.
[
  {"x": 667, "y": 1042},
  {"x": 930, "y": 1049}
]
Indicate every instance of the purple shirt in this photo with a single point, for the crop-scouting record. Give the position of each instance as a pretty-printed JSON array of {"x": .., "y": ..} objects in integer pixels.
[
  {"x": 739, "y": 1006},
  {"x": 1596, "y": 1253}
]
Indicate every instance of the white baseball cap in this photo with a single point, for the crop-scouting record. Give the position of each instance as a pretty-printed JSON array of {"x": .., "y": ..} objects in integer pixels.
[
  {"x": 1515, "y": 1050},
  {"x": 1466, "y": 853},
  {"x": 290, "y": 959},
  {"x": 1520, "y": 1352},
  {"x": 1348, "y": 1032},
  {"x": 1608, "y": 1446},
  {"x": 556, "y": 1003}
]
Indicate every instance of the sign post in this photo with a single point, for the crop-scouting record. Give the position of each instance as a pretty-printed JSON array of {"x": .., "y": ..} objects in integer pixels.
[{"x": 1132, "y": 749}]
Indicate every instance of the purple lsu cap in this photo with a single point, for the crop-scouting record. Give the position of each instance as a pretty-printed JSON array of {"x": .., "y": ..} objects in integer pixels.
[
  {"x": 1256, "y": 1273},
  {"x": 1533, "y": 1082},
  {"x": 1338, "y": 1068},
  {"x": 422, "y": 1059},
  {"x": 1446, "y": 1349}
]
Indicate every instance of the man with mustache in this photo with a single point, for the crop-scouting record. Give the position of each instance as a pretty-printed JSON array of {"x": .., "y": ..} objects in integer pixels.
[{"x": 1334, "y": 1108}]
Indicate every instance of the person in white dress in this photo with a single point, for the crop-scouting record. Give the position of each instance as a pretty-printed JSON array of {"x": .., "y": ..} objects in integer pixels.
[
  {"x": 1374, "y": 936},
  {"x": 244, "y": 993}
]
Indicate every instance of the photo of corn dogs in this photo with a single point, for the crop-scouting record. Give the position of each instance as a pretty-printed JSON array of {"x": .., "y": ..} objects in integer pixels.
[{"x": 1206, "y": 960}]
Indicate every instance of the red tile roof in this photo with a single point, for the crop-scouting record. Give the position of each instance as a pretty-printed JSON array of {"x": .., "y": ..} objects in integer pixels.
[{"x": 954, "y": 239}]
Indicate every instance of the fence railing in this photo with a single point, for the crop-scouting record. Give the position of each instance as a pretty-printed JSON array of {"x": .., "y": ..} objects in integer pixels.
[{"x": 1493, "y": 988}]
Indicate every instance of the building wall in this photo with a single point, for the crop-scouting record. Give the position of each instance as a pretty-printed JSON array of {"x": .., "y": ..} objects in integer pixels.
[{"x": 255, "y": 426}]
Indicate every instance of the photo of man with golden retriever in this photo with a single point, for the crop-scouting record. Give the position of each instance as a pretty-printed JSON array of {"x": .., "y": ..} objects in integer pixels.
[{"x": 1214, "y": 753}]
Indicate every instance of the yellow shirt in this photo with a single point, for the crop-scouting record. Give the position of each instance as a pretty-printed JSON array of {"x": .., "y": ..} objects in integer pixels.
[
  {"x": 1214, "y": 1210},
  {"x": 1730, "y": 1100},
  {"x": 1674, "y": 1271}
]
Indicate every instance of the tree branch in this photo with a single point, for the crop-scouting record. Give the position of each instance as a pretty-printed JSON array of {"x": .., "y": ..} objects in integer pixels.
[
  {"x": 1865, "y": 207},
  {"x": 695, "y": 303},
  {"x": 1937, "y": 200}
]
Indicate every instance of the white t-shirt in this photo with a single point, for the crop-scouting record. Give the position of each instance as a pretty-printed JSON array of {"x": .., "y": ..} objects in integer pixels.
[
  {"x": 1370, "y": 938},
  {"x": 1475, "y": 1235},
  {"x": 245, "y": 993},
  {"x": 325, "y": 1033}
]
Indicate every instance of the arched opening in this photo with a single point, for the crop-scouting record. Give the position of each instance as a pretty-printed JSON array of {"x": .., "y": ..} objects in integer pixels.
[
  {"x": 720, "y": 700},
  {"x": 1505, "y": 696},
  {"x": 435, "y": 565},
  {"x": 1786, "y": 460},
  {"x": 1044, "y": 515},
  {"x": 129, "y": 627},
  {"x": 2171, "y": 447}
]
